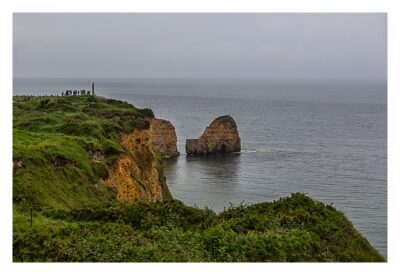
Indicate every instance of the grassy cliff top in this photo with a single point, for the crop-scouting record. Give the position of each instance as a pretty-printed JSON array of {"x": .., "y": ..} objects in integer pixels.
[
  {"x": 84, "y": 116},
  {"x": 56, "y": 141}
]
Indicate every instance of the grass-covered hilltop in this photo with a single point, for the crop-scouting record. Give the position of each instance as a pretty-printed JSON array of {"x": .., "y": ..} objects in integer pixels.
[{"x": 88, "y": 186}]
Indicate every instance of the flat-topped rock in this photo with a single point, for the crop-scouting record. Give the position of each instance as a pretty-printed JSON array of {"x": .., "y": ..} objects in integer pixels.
[{"x": 221, "y": 136}]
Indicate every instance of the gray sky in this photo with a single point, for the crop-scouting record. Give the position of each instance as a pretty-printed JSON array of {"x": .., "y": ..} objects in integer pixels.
[{"x": 201, "y": 45}]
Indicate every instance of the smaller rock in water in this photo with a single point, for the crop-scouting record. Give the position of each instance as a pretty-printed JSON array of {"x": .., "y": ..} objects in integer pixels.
[
  {"x": 164, "y": 138},
  {"x": 221, "y": 136}
]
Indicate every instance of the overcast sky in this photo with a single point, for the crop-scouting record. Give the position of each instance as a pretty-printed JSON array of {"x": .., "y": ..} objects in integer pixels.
[{"x": 201, "y": 45}]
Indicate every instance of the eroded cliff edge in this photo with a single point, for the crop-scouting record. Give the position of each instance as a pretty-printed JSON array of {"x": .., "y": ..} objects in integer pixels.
[{"x": 138, "y": 173}]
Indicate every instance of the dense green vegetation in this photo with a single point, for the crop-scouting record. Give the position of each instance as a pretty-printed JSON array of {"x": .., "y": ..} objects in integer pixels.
[
  {"x": 76, "y": 218},
  {"x": 296, "y": 228}
]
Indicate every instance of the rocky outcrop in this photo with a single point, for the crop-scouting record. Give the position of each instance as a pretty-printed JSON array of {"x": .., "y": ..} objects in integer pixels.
[
  {"x": 221, "y": 136},
  {"x": 138, "y": 174},
  {"x": 164, "y": 138}
]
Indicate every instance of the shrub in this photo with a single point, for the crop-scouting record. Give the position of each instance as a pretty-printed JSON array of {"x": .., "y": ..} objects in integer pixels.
[
  {"x": 221, "y": 244},
  {"x": 100, "y": 170}
]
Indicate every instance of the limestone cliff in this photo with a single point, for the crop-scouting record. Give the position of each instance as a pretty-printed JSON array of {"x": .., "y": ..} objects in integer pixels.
[
  {"x": 137, "y": 174},
  {"x": 221, "y": 136},
  {"x": 164, "y": 137}
]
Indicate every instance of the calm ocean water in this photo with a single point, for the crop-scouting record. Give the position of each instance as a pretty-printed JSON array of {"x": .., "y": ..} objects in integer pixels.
[{"x": 327, "y": 139}]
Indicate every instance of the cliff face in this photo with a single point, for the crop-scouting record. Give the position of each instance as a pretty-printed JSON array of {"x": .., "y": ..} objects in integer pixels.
[
  {"x": 221, "y": 136},
  {"x": 164, "y": 137},
  {"x": 137, "y": 174}
]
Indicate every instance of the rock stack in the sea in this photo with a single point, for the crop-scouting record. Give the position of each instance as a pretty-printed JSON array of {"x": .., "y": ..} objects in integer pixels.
[
  {"x": 221, "y": 136},
  {"x": 164, "y": 138}
]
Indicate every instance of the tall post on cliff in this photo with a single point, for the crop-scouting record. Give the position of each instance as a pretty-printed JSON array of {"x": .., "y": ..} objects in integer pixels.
[{"x": 93, "y": 88}]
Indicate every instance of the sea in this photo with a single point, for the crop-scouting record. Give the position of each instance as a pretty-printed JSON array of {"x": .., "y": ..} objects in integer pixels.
[{"x": 326, "y": 138}]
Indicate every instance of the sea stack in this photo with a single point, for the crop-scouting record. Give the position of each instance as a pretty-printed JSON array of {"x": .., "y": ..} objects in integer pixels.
[
  {"x": 164, "y": 138},
  {"x": 221, "y": 136}
]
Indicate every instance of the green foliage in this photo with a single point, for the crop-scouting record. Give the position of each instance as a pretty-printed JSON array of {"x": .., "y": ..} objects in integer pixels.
[
  {"x": 81, "y": 126},
  {"x": 170, "y": 231},
  {"x": 222, "y": 244},
  {"x": 100, "y": 170},
  {"x": 56, "y": 241},
  {"x": 169, "y": 214},
  {"x": 111, "y": 151},
  {"x": 57, "y": 170}
]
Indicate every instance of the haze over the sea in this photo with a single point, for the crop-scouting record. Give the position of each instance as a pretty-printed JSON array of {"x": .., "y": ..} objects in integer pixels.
[{"x": 289, "y": 46}]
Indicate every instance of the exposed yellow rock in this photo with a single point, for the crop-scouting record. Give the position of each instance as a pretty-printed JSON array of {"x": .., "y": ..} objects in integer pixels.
[
  {"x": 135, "y": 174},
  {"x": 164, "y": 137}
]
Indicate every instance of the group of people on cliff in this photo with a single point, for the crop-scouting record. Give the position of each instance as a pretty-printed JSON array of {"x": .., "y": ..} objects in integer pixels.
[{"x": 77, "y": 92}]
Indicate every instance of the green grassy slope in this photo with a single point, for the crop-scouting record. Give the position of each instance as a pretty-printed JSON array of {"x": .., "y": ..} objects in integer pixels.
[
  {"x": 53, "y": 138},
  {"x": 76, "y": 217}
]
